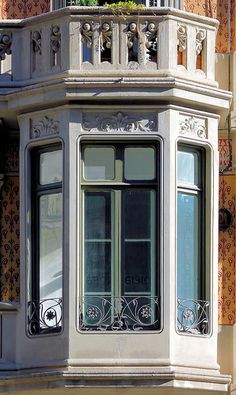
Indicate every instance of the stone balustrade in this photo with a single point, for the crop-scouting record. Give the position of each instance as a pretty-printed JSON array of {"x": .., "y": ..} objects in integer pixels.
[{"x": 96, "y": 42}]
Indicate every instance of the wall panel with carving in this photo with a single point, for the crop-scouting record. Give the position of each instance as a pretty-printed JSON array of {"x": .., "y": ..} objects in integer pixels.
[
  {"x": 217, "y": 9},
  {"x": 227, "y": 243},
  {"x": 10, "y": 227},
  {"x": 14, "y": 9}
]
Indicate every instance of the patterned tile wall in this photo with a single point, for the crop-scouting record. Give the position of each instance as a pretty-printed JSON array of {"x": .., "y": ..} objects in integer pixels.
[
  {"x": 14, "y": 9},
  {"x": 227, "y": 244},
  {"x": 217, "y": 9},
  {"x": 10, "y": 228}
]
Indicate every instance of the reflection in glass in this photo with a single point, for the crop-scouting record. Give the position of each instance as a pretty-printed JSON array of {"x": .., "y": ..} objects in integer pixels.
[
  {"x": 138, "y": 253},
  {"x": 188, "y": 172},
  {"x": 50, "y": 245},
  {"x": 50, "y": 167},
  {"x": 188, "y": 248},
  {"x": 140, "y": 163},
  {"x": 99, "y": 163}
]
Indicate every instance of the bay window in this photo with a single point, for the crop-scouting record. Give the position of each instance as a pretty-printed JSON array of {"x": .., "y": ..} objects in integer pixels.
[
  {"x": 120, "y": 270},
  {"x": 45, "y": 308}
]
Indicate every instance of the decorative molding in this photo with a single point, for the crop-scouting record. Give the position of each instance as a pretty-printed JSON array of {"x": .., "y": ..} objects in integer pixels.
[
  {"x": 46, "y": 127},
  {"x": 119, "y": 123},
  {"x": 37, "y": 42},
  {"x": 132, "y": 34},
  {"x": 5, "y": 45},
  {"x": 193, "y": 127},
  {"x": 87, "y": 34},
  {"x": 55, "y": 38},
  {"x": 200, "y": 37},
  {"x": 106, "y": 36},
  {"x": 182, "y": 38},
  {"x": 151, "y": 37}
]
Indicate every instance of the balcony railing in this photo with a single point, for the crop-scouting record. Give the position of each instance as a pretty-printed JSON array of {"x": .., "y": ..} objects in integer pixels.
[
  {"x": 90, "y": 42},
  {"x": 193, "y": 316},
  {"x": 124, "y": 313},
  {"x": 45, "y": 316}
]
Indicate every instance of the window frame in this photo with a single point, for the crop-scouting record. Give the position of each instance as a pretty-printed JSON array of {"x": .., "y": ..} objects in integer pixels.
[
  {"x": 120, "y": 183},
  {"x": 38, "y": 190}
]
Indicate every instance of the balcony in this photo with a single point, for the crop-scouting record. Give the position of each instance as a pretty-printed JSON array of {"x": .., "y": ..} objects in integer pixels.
[{"x": 91, "y": 42}]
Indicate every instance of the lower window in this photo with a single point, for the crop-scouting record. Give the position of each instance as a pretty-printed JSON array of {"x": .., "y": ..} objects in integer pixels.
[{"x": 120, "y": 190}]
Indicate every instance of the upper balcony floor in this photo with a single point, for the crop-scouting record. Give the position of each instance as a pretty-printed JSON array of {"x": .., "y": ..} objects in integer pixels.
[{"x": 97, "y": 42}]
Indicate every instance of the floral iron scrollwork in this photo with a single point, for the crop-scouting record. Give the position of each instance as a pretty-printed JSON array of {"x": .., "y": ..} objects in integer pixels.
[
  {"x": 193, "y": 316},
  {"x": 37, "y": 42},
  {"x": 87, "y": 34},
  {"x": 5, "y": 45},
  {"x": 55, "y": 38},
  {"x": 106, "y": 36}
]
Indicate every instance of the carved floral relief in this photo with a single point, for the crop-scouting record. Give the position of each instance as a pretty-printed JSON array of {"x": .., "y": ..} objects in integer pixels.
[
  {"x": 47, "y": 126},
  {"x": 192, "y": 127}
]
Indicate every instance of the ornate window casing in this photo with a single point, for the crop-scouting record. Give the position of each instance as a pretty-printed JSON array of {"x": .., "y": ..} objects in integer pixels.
[
  {"x": 120, "y": 268},
  {"x": 45, "y": 306}
]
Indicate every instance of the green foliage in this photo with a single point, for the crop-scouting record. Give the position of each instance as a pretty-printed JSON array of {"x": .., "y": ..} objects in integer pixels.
[
  {"x": 123, "y": 7},
  {"x": 89, "y": 3}
]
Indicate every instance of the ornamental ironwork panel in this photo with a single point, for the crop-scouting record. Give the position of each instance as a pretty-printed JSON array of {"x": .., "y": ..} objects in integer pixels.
[
  {"x": 45, "y": 316},
  {"x": 193, "y": 316},
  {"x": 123, "y": 313}
]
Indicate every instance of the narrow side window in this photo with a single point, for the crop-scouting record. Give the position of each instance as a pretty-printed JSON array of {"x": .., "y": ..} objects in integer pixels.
[
  {"x": 45, "y": 307},
  {"x": 192, "y": 308}
]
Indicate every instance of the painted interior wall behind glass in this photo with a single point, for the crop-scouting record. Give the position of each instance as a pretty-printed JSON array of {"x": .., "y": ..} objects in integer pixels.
[{"x": 17, "y": 9}]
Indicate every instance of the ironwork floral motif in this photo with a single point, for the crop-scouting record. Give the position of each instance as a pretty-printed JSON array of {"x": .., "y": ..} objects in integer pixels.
[
  {"x": 37, "y": 42},
  {"x": 200, "y": 37},
  {"x": 5, "y": 45},
  {"x": 106, "y": 36},
  {"x": 193, "y": 316},
  {"x": 87, "y": 34},
  {"x": 45, "y": 315},
  {"x": 119, "y": 122},
  {"x": 182, "y": 38},
  {"x": 124, "y": 313},
  {"x": 47, "y": 126},
  {"x": 193, "y": 126},
  {"x": 55, "y": 38}
]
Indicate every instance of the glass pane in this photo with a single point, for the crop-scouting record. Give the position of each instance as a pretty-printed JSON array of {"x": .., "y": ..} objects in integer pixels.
[
  {"x": 188, "y": 172},
  {"x": 99, "y": 163},
  {"x": 98, "y": 243},
  {"x": 50, "y": 245},
  {"x": 188, "y": 247},
  {"x": 50, "y": 167},
  {"x": 139, "y": 163},
  {"x": 138, "y": 233},
  {"x": 97, "y": 223},
  {"x": 97, "y": 271}
]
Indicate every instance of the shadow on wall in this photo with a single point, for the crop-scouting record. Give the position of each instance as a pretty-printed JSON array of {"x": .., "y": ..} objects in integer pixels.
[
  {"x": 217, "y": 9},
  {"x": 18, "y": 9}
]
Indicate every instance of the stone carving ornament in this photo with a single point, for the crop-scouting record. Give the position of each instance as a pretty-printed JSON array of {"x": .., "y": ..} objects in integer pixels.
[
  {"x": 119, "y": 123},
  {"x": 132, "y": 34},
  {"x": 182, "y": 38},
  {"x": 151, "y": 37},
  {"x": 55, "y": 39},
  {"x": 36, "y": 40},
  {"x": 87, "y": 34},
  {"x": 5, "y": 45},
  {"x": 200, "y": 37},
  {"x": 106, "y": 36},
  {"x": 46, "y": 127},
  {"x": 192, "y": 126}
]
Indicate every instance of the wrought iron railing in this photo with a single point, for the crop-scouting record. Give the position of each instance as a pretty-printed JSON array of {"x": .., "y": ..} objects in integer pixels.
[
  {"x": 123, "y": 313},
  {"x": 45, "y": 316},
  {"x": 193, "y": 316}
]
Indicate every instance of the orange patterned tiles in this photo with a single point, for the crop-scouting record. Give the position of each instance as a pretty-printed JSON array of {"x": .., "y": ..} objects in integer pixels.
[
  {"x": 227, "y": 243},
  {"x": 13, "y": 9},
  {"x": 219, "y": 10}
]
